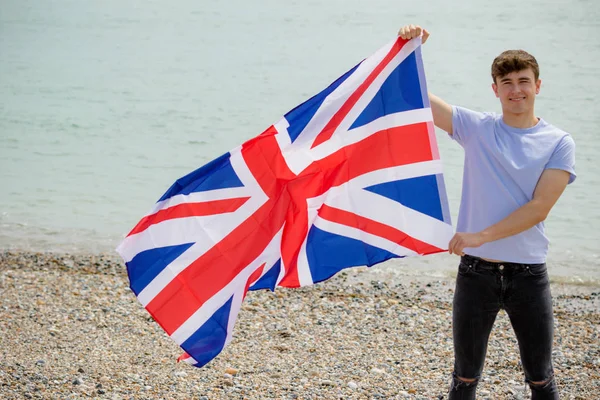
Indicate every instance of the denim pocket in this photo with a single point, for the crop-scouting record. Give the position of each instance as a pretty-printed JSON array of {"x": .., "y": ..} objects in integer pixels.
[
  {"x": 536, "y": 269},
  {"x": 464, "y": 268}
]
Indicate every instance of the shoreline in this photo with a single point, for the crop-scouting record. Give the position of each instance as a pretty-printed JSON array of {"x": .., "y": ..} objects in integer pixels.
[
  {"x": 72, "y": 328},
  {"x": 440, "y": 266}
]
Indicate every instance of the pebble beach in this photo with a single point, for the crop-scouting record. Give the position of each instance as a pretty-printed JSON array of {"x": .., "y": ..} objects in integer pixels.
[{"x": 71, "y": 328}]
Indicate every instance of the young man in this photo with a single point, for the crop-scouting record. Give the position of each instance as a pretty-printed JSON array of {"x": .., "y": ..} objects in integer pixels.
[{"x": 516, "y": 167}]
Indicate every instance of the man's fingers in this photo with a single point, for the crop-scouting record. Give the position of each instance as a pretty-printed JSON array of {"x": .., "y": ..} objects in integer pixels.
[
  {"x": 404, "y": 32},
  {"x": 459, "y": 249},
  {"x": 412, "y": 32},
  {"x": 456, "y": 245},
  {"x": 408, "y": 32},
  {"x": 451, "y": 244}
]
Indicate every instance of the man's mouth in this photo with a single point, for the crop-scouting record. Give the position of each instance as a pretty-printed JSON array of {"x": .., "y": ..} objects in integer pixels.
[{"x": 516, "y": 98}]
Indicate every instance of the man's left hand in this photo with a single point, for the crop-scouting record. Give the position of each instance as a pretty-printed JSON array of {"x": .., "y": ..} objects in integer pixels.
[{"x": 460, "y": 240}]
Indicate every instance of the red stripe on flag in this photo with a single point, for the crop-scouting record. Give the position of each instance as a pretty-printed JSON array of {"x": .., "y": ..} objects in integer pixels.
[
  {"x": 337, "y": 119},
  {"x": 189, "y": 210},
  {"x": 294, "y": 233},
  {"x": 377, "y": 228}
]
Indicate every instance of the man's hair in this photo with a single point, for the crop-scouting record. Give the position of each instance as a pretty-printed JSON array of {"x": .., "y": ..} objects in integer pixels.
[{"x": 514, "y": 61}]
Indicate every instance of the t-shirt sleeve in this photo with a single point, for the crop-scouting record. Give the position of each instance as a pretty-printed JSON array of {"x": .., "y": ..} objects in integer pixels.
[
  {"x": 465, "y": 124},
  {"x": 563, "y": 157}
]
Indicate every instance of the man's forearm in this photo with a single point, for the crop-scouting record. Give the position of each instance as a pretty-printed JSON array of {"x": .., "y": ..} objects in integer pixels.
[
  {"x": 442, "y": 113},
  {"x": 523, "y": 218},
  {"x": 518, "y": 221}
]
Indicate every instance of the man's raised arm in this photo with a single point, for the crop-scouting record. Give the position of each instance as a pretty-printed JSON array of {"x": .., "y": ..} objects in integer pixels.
[{"x": 442, "y": 111}]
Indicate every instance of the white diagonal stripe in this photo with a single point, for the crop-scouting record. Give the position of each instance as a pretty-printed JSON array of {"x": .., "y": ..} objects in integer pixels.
[
  {"x": 270, "y": 255},
  {"x": 304, "y": 275},
  {"x": 336, "y": 99},
  {"x": 358, "y": 234},
  {"x": 378, "y": 208},
  {"x": 200, "y": 197},
  {"x": 374, "y": 87},
  {"x": 396, "y": 173}
]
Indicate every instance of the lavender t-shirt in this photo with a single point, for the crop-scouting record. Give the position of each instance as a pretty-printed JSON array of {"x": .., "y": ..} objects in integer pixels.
[{"x": 502, "y": 167}]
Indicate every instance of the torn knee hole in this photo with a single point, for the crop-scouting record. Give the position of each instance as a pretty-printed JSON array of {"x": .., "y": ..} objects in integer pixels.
[
  {"x": 459, "y": 382},
  {"x": 540, "y": 384},
  {"x": 466, "y": 380}
]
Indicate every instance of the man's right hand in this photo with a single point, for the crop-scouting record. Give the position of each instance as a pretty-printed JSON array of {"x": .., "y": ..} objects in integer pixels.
[{"x": 412, "y": 31}]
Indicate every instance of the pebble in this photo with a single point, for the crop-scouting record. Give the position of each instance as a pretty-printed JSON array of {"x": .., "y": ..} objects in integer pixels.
[{"x": 385, "y": 337}]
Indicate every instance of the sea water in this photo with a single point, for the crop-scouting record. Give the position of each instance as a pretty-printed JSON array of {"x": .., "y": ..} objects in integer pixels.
[{"x": 104, "y": 104}]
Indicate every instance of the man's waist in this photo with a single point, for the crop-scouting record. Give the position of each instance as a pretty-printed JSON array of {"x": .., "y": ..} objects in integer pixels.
[{"x": 484, "y": 262}]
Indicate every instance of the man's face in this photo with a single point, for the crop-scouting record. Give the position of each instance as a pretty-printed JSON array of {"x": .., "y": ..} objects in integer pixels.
[{"x": 517, "y": 91}]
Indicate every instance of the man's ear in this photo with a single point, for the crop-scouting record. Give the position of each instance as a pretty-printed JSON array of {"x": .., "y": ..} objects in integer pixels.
[
  {"x": 495, "y": 89},
  {"x": 538, "y": 85}
]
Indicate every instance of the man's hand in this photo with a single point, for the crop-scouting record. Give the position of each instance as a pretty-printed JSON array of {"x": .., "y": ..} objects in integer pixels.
[
  {"x": 461, "y": 240},
  {"x": 412, "y": 31}
]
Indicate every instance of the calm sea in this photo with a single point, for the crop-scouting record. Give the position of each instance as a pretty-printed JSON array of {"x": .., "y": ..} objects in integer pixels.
[{"x": 103, "y": 104}]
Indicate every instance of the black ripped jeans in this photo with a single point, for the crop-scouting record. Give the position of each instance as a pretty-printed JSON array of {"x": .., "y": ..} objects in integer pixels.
[{"x": 523, "y": 290}]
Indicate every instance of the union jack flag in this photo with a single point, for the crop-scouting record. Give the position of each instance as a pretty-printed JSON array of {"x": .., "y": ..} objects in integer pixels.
[{"x": 350, "y": 177}]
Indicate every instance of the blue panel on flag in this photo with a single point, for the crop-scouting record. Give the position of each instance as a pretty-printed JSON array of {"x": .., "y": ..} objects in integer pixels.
[
  {"x": 209, "y": 340},
  {"x": 329, "y": 253},
  {"x": 268, "y": 280},
  {"x": 217, "y": 174},
  {"x": 400, "y": 92},
  {"x": 419, "y": 193},
  {"x": 145, "y": 266},
  {"x": 300, "y": 116}
]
